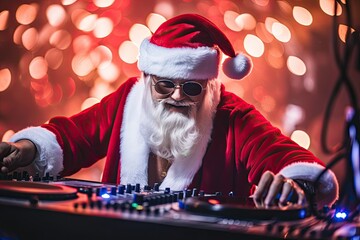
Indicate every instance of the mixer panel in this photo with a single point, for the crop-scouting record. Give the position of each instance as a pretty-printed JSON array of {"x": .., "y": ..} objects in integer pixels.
[{"x": 57, "y": 208}]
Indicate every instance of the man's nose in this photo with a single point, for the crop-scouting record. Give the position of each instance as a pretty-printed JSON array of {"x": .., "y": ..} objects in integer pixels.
[{"x": 178, "y": 93}]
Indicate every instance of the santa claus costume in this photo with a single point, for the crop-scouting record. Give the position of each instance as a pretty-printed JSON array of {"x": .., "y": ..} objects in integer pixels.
[{"x": 237, "y": 143}]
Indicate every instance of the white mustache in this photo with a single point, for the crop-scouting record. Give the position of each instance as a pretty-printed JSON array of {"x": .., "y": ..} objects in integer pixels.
[{"x": 176, "y": 103}]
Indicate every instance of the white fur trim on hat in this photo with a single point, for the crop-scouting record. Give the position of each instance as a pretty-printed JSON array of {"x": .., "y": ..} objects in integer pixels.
[
  {"x": 49, "y": 158},
  {"x": 179, "y": 63},
  {"x": 328, "y": 189}
]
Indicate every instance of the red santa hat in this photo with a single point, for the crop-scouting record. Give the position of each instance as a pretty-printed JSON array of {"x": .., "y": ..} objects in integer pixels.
[{"x": 186, "y": 47}]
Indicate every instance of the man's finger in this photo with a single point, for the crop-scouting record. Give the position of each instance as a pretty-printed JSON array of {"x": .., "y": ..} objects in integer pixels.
[
  {"x": 274, "y": 189},
  {"x": 262, "y": 188},
  {"x": 287, "y": 191},
  {"x": 301, "y": 194},
  {"x": 264, "y": 183}
]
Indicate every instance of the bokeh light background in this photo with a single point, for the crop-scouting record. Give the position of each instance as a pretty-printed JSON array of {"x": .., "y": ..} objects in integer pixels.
[{"x": 58, "y": 57}]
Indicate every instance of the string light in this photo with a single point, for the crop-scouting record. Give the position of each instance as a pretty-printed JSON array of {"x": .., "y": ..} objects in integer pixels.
[
  {"x": 5, "y": 79},
  {"x": 253, "y": 45},
  {"x": 301, "y": 138},
  {"x": 302, "y": 16},
  {"x": 296, "y": 65},
  {"x": 4, "y": 16}
]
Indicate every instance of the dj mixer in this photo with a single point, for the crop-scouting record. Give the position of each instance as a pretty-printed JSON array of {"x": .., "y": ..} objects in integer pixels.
[{"x": 61, "y": 208}]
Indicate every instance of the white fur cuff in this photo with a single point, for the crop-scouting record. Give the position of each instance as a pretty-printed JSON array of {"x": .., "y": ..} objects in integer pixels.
[
  {"x": 49, "y": 158},
  {"x": 328, "y": 188}
]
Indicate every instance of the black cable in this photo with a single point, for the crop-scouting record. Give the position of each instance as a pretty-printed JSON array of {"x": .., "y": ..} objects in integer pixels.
[
  {"x": 343, "y": 150},
  {"x": 343, "y": 79},
  {"x": 332, "y": 163}
]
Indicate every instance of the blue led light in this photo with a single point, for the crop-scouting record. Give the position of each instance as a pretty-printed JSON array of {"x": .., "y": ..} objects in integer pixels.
[
  {"x": 302, "y": 214},
  {"x": 341, "y": 215},
  {"x": 105, "y": 195}
]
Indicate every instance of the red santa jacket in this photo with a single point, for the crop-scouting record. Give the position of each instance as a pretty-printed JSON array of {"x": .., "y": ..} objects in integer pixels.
[{"x": 243, "y": 146}]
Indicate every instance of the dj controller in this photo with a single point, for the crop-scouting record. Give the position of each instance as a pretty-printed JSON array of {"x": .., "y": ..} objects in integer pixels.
[{"x": 62, "y": 208}]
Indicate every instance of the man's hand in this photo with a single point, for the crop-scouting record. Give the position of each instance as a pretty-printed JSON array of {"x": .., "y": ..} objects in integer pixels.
[
  {"x": 277, "y": 190},
  {"x": 15, "y": 155}
]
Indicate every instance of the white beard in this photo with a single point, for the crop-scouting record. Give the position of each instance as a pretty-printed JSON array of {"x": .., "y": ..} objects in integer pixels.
[
  {"x": 170, "y": 135},
  {"x": 184, "y": 140}
]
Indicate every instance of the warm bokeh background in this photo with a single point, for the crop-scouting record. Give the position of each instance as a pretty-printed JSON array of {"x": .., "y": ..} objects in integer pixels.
[{"x": 60, "y": 56}]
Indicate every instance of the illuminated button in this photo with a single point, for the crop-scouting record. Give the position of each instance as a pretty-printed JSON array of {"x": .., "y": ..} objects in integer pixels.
[
  {"x": 139, "y": 209},
  {"x": 105, "y": 196}
]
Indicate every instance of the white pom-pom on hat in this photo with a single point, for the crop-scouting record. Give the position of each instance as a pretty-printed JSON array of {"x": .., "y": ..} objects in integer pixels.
[{"x": 237, "y": 67}]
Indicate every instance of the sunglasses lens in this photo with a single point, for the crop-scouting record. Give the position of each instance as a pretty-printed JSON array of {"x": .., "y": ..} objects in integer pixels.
[
  {"x": 192, "y": 88},
  {"x": 167, "y": 87},
  {"x": 164, "y": 87}
]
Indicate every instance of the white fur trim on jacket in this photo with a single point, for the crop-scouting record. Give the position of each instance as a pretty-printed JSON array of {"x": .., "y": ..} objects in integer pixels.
[
  {"x": 328, "y": 189},
  {"x": 178, "y": 63},
  {"x": 49, "y": 157},
  {"x": 134, "y": 151}
]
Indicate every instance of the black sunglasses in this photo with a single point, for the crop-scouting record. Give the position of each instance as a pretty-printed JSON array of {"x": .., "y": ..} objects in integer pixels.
[{"x": 167, "y": 87}]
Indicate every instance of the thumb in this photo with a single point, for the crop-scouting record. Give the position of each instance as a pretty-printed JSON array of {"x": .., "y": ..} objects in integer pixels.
[
  {"x": 9, "y": 162},
  {"x": 5, "y": 149}
]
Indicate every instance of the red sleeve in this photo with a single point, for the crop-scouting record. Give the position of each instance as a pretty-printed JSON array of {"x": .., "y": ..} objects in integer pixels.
[
  {"x": 259, "y": 146},
  {"x": 84, "y": 137}
]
